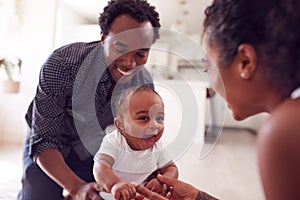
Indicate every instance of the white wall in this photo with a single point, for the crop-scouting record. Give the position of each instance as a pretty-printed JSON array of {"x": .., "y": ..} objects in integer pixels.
[
  {"x": 32, "y": 40},
  {"x": 72, "y": 27}
]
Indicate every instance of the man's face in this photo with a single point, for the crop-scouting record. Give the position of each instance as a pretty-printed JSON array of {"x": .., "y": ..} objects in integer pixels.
[{"x": 127, "y": 45}]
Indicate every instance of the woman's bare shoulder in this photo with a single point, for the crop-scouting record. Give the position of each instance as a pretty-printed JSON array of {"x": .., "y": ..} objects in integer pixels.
[
  {"x": 278, "y": 152},
  {"x": 284, "y": 118}
]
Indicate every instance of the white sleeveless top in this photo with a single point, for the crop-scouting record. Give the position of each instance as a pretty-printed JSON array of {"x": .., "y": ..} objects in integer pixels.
[{"x": 296, "y": 93}]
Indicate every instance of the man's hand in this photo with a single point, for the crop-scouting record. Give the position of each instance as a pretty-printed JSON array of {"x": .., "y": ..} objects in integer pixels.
[{"x": 87, "y": 191}]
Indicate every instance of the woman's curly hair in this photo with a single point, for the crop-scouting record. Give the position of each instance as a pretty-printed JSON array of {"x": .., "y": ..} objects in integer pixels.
[
  {"x": 270, "y": 26},
  {"x": 139, "y": 10}
]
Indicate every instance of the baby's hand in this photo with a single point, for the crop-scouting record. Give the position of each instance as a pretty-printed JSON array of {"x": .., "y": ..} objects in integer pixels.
[
  {"x": 123, "y": 190},
  {"x": 156, "y": 186}
]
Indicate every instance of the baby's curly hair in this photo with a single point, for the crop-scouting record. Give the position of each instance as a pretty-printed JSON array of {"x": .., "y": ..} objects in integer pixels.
[
  {"x": 271, "y": 26},
  {"x": 139, "y": 10},
  {"x": 124, "y": 95}
]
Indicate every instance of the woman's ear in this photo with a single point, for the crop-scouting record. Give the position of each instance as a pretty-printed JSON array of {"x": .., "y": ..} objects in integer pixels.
[
  {"x": 118, "y": 124},
  {"x": 247, "y": 61}
]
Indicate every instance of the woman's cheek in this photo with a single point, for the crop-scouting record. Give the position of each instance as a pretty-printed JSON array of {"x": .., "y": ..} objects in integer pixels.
[{"x": 216, "y": 82}]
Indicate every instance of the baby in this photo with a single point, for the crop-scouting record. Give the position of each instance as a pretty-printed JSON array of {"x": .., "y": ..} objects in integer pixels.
[{"x": 133, "y": 152}]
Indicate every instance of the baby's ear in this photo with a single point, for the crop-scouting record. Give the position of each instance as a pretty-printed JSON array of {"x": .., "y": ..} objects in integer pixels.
[{"x": 118, "y": 124}]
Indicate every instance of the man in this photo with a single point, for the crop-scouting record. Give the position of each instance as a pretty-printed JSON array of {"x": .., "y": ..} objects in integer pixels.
[{"x": 71, "y": 107}]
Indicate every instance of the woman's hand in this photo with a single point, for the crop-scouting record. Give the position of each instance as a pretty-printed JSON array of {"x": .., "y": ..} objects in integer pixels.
[
  {"x": 155, "y": 186},
  {"x": 123, "y": 190},
  {"x": 145, "y": 194},
  {"x": 178, "y": 191}
]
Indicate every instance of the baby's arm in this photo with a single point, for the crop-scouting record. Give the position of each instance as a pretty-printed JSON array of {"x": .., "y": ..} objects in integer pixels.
[
  {"x": 109, "y": 181},
  {"x": 169, "y": 170}
]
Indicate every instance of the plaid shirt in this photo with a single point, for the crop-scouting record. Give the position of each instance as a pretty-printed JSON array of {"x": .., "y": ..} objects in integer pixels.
[{"x": 72, "y": 105}]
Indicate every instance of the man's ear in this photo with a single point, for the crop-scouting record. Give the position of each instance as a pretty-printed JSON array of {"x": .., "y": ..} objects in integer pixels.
[
  {"x": 247, "y": 61},
  {"x": 118, "y": 124},
  {"x": 102, "y": 38}
]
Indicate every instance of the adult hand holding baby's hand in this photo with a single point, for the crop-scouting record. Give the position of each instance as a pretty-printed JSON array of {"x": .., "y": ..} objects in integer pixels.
[
  {"x": 156, "y": 186},
  {"x": 123, "y": 190}
]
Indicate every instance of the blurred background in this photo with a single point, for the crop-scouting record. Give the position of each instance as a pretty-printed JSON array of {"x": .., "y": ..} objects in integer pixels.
[{"x": 31, "y": 29}]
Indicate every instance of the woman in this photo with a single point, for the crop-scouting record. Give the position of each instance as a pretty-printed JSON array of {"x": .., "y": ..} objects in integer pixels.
[{"x": 255, "y": 48}]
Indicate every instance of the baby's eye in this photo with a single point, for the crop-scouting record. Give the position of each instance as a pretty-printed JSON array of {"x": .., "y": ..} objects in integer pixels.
[
  {"x": 160, "y": 119},
  {"x": 143, "y": 118}
]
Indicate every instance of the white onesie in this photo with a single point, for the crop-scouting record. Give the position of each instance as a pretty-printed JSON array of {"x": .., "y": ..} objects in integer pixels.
[{"x": 131, "y": 165}]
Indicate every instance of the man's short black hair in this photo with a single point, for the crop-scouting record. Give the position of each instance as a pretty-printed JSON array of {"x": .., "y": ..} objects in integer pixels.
[{"x": 139, "y": 10}]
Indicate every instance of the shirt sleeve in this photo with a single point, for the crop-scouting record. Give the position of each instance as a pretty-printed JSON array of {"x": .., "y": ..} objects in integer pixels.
[
  {"x": 163, "y": 156},
  {"x": 108, "y": 147},
  {"x": 49, "y": 106}
]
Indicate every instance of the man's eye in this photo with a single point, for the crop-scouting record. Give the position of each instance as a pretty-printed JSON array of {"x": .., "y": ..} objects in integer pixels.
[
  {"x": 142, "y": 55},
  {"x": 121, "y": 51}
]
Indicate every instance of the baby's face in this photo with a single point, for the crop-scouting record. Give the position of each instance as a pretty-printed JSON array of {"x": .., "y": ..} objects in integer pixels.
[{"x": 143, "y": 121}]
